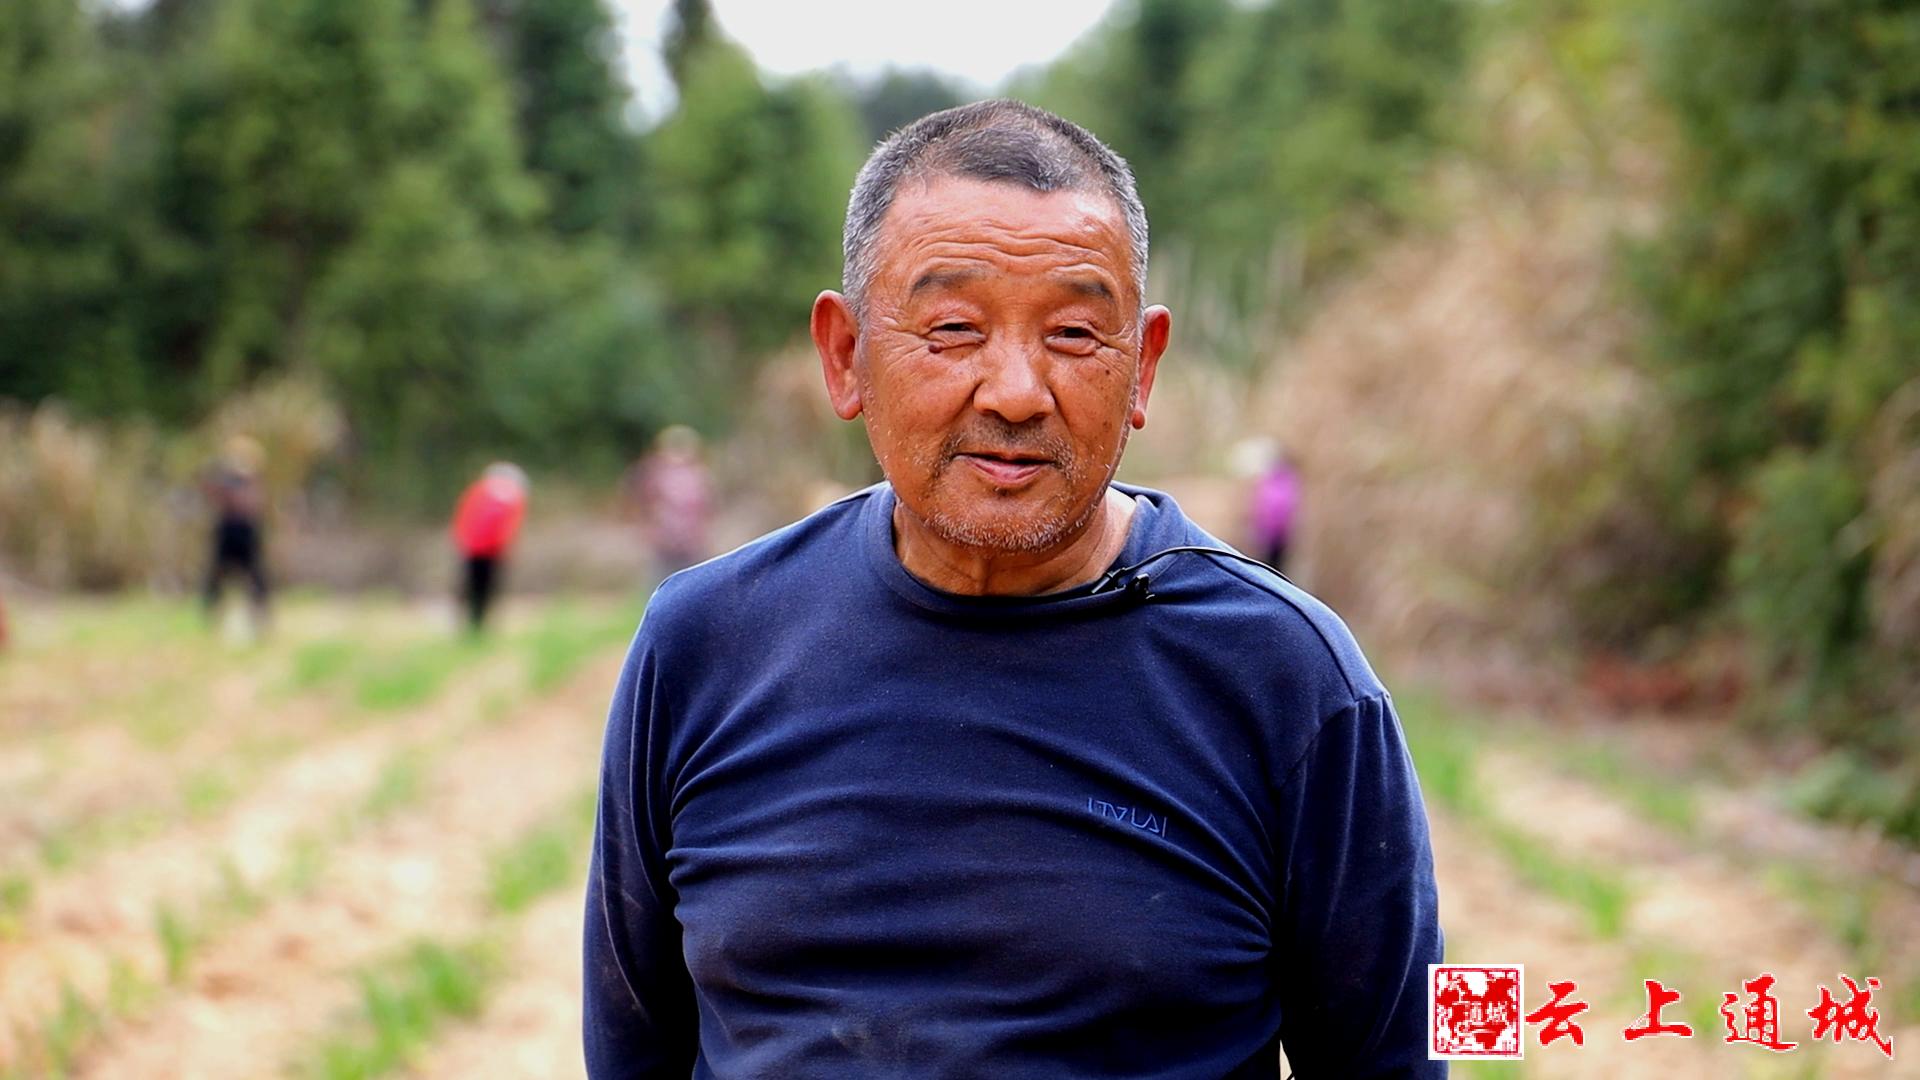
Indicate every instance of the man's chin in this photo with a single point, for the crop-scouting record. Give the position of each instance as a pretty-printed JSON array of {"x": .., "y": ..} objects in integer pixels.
[
  {"x": 1016, "y": 522},
  {"x": 1007, "y": 536}
]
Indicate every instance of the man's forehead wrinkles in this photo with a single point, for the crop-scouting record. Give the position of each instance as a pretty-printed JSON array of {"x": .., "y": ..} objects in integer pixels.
[
  {"x": 951, "y": 235},
  {"x": 1083, "y": 225},
  {"x": 1082, "y": 235},
  {"x": 1076, "y": 278},
  {"x": 944, "y": 261},
  {"x": 931, "y": 243},
  {"x": 957, "y": 262}
]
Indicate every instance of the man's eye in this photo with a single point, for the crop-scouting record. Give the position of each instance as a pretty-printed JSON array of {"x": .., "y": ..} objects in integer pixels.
[
  {"x": 1074, "y": 339},
  {"x": 952, "y": 335}
]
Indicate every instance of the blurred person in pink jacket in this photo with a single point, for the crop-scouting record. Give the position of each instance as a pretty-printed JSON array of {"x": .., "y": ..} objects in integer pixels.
[
  {"x": 672, "y": 493},
  {"x": 1274, "y": 501}
]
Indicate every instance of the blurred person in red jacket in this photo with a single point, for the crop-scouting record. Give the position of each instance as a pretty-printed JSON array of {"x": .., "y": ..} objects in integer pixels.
[{"x": 484, "y": 526}]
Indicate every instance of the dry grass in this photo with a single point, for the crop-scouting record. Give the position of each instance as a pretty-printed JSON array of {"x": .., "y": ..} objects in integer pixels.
[
  {"x": 1894, "y": 592},
  {"x": 81, "y": 505},
  {"x": 89, "y": 505},
  {"x": 1438, "y": 407},
  {"x": 1466, "y": 414}
]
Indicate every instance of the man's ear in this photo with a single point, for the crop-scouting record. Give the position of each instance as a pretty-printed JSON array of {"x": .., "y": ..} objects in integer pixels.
[
  {"x": 1156, "y": 329},
  {"x": 836, "y": 336}
]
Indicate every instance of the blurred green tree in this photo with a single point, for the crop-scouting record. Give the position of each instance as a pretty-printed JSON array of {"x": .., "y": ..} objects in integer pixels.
[
  {"x": 1248, "y": 126},
  {"x": 572, "y": 106},
  {"x": 1781, "y": 288},
  {"x": 751, "y": 186},
  {"x": 1317, "y": 110},
  {"x": 690, "y": 32},
  {"x": 61, "y": 255},
  {"x": 279, "y": 145},
  {"x": 345, "y": 182},
  {"x": 1133, "y": 81},
  {"x": 1273, "y": 142},
  {"x": 161, "y": 26},
  {"x": 899, "y": 97}
]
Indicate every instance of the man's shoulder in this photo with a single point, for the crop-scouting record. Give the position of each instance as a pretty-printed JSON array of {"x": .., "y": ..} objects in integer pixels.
[
  {"x": 765, "y": 577},
  {"x": 1272, "y": 610},
  {"x": 1309, "y": 627}
]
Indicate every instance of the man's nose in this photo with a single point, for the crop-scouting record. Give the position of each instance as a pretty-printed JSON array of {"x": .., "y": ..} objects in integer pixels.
[{"x": 1012, "y": 384}]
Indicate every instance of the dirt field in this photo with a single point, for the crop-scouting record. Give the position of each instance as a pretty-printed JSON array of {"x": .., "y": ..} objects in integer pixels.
[
  {"x": 356, "y": 850},
  {"x": 352, "y": 850}
]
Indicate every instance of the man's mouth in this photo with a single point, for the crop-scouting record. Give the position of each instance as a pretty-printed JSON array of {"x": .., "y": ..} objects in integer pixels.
[{"x": 1005, "y": 468}]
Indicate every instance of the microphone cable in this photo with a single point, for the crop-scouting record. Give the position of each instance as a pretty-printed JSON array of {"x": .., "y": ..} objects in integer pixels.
[{"x": 1139, "y": 583}]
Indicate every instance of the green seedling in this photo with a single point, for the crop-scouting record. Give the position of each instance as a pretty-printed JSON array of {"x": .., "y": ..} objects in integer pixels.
[
  {"x": 401, "y": 783},
  {"x": 177, "y": 941},
  {"x": 402, "y": 1005}
]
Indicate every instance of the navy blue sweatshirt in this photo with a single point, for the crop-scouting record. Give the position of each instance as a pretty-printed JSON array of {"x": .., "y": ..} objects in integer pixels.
[{"x": 853, "y": 826}]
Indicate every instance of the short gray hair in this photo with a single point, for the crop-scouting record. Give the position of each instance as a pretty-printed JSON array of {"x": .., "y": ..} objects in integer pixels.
[{"x": 1001, "y": 141}]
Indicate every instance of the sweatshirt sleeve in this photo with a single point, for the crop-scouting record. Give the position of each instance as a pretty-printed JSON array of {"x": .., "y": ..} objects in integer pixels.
[
  {"x": 1359, "y": 921},
  {"x": 639, "y": 1013}
]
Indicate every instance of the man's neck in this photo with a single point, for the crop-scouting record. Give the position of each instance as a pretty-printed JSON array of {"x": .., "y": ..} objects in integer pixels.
[{"x": 982, "y": 572}]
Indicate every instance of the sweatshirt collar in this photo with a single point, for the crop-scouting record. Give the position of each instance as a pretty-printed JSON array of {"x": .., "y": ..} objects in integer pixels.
[{"x": 1154, "y": 525}]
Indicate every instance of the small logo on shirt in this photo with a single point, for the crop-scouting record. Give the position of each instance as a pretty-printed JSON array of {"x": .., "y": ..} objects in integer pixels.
[{"x": 1132, "y": 815}]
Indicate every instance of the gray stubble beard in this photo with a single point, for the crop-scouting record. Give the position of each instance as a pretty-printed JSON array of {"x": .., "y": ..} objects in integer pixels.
[{"x": 1032, "y": 534}]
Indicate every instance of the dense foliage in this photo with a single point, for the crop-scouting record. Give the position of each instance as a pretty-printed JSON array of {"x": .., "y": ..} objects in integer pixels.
[
  {"x": 60, "y": 256},
  {"x": 752, "y": 186},
  {"x": 1782, "y": 291},
  {"x": 1269, "y": 136},
  {"x": 440, "y": 208},
  {"x": 445, "y": 211}
]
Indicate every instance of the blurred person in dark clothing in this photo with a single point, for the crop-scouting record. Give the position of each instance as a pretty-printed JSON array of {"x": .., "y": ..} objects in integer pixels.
[
  {"x": 485, "y": 523},
  {"x": 233, "y": 488}
]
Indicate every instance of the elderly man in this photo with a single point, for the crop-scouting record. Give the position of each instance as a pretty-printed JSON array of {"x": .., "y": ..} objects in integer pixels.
[{"x": 1000, "y": 769}]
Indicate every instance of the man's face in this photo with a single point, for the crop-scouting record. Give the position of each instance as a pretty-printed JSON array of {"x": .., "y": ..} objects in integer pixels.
[{"x": 1002, "y": 358}]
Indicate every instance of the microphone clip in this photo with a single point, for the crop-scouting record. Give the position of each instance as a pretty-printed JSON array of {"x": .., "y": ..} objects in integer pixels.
[{"x": 1137, "y": 584}]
